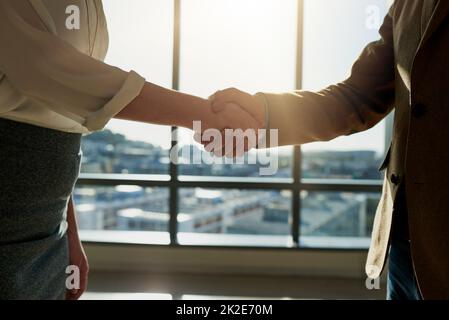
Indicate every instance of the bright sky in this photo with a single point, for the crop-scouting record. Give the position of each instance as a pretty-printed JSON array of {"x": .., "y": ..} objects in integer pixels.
[{"x": 250, "y": 44}]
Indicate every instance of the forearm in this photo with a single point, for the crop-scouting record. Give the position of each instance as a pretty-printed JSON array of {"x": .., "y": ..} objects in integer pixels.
[
  {"x": 304, "y": 117},
  {"x": 158, "y": 105},
  {"x": 353, "y": 105}
]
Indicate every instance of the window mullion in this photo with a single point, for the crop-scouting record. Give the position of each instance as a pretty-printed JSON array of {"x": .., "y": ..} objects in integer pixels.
[
  {"x": 297, "y": 159},
  {"x": 174, "y": 194},
  {"x": 296, "y": 199}
]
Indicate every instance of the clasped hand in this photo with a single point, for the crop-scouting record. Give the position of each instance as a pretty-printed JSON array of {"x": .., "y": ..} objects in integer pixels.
[{"x": 236, "y": 120}]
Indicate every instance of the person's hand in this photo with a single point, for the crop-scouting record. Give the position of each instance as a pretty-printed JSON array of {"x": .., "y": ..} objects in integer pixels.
[
  {"x": 230, "y": 125},
  {"x": 233, "y": 124},
  {"x": 237, "y": 110},
  {"x": 77, "y": 255},
  {"x": 254, "y": 105}
]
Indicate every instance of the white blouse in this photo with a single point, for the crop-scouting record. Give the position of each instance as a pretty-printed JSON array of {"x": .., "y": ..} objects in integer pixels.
[{"x": 53, "y": 76}]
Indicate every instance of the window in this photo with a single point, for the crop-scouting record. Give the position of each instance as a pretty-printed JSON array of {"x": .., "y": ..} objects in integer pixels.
[
  {"x": 323, "y": 196},
  {"x": 335, "y": 33},
  {"x": 261, "y": 56},
  {"x": 145, "y": 45},
  {"x": 125, "y": 207},
  {"x": 339, "y": 219},
  {"x": 234, "y": 211}
]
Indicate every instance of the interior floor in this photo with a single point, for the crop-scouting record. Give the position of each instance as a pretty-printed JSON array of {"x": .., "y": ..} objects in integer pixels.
[{"x": 124, "y": 286}]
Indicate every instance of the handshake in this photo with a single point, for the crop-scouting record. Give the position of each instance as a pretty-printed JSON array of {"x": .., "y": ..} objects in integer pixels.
[{"x": 235, "y": 123}]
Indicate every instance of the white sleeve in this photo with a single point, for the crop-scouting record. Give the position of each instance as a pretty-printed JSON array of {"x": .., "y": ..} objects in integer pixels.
[{"x": 47, "y": 82}]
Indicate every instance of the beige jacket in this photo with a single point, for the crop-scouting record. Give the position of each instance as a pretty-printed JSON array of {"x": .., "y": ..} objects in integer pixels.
[
  {"x": 51, "y": 73},
  {"x": 408, "y": 70}
]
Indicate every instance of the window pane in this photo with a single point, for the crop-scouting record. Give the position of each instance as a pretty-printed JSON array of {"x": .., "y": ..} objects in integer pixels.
[
  {"x": 234, "y": 212},
  {"x": 125, "y": 208},
  {"x": 111, "y": 152},
  {"x": 263, "y": 163},
  {"x": 141, "y": 36},
  {"x": 337, "y": 219},
  {"x": 335, "y": 33},
  {"x": 247, "y": 44}
]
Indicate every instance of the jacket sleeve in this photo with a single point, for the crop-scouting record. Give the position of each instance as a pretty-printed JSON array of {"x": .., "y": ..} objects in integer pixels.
[
  {"x": 351, "y": 106},
  {"x": 47, "y": 82}
]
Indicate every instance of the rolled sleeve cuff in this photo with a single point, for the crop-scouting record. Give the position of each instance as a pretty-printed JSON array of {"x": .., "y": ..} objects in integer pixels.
[{"x": 130, "y": 90}]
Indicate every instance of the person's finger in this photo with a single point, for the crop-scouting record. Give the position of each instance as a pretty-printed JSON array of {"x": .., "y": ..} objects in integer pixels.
[
  {"x": 210, "y": 147},
  {"x": 197, "y": 136},
  {"x": 200, "y": 138},
  {"x": 212, "y": 97},
  {"x": 70, "y": 294},
  {"x": 83, "y": 282},
  {"x": 218, "y": 152},
  {"x": 208, "y": 142},
  {"x": 230, "y": 143},
  {"x": 76, "y": 294},
  {"x": 218, "y": 101},
  {"x": 248, "y": 103},
  {"x": 247, "y": 110},
  {"x": 222, "y": 98}
]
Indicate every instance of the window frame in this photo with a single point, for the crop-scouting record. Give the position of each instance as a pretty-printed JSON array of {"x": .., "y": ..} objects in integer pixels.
[{"x": 174, "y": 182}]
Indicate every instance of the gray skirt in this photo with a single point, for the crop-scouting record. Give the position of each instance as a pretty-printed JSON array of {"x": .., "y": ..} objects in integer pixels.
[{"x": 38, "y": 170}]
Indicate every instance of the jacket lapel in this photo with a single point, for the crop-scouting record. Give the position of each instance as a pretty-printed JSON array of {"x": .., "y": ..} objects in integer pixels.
[{"x": 440, "y": 14}]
